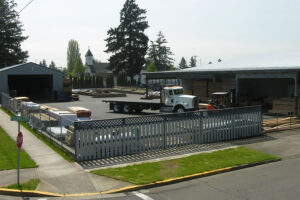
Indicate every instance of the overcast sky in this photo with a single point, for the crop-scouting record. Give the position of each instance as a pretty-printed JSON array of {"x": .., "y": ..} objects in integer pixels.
[{"x": 209, "y": 29}]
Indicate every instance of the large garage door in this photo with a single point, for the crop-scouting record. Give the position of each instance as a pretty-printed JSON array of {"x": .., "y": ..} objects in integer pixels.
[{"x": 37, "y": 87}]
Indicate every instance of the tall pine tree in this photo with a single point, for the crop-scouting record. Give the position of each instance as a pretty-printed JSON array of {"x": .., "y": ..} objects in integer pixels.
[
  {"x": 128, "y": 42},
  {"x": 193, "y": 61},
  {"x": 160, "y": 53},
  {"x": 10, "y": 35},
  {"x": 182, "y": 64}
]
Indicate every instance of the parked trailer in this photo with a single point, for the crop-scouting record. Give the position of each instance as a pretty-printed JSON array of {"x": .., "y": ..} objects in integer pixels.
[
  {"x": 133, "y": 106},
  {"x": 172, "y": 100}
]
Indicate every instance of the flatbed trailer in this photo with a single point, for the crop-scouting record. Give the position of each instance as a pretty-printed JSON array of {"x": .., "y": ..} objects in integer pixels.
[{"x": 137, "y": 106}]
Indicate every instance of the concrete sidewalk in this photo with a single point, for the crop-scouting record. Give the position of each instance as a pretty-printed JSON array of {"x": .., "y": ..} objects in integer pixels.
[
  {"x": 285, "y": 144},
  {"x": 56, "y": 174}
]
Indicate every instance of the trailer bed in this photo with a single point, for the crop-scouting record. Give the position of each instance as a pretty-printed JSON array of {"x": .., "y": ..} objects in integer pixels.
[{"x": 144, "y": 101}]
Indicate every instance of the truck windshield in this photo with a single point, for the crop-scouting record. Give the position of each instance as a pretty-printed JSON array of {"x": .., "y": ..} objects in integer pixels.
[{"x": 178, "y": 91}]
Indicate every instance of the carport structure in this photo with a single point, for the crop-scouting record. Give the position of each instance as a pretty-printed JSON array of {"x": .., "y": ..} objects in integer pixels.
[
  {"x": 251, "y": 78},
  {"x": 32, "y": 80}
]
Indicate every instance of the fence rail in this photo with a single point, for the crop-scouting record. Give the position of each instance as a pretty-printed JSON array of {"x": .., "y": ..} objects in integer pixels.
[{"x": 116, "y": 137}]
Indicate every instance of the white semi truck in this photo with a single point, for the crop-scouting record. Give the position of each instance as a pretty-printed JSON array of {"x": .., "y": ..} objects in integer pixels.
[{"x": 172, "y": 100}]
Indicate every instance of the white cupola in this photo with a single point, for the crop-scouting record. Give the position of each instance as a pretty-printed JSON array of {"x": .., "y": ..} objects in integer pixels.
[{"x": 89, "y": 59}]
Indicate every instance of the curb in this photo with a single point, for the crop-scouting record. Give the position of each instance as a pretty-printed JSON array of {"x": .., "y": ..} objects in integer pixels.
[{"x": 34, "y": 193}]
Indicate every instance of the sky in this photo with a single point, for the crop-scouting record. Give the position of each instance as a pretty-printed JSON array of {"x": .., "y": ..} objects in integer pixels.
[{"x": 208, "y": 29}]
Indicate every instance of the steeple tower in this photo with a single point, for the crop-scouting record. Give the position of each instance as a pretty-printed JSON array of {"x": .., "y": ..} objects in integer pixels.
[{"x": 89, "y": 59}]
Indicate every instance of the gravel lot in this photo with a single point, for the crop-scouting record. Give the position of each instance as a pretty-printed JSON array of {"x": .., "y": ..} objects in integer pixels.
[{"x": 100, "y": 110}]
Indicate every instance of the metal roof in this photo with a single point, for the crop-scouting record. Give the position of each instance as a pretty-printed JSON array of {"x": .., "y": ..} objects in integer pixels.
[
  {"x": 29, "y": 63},
  {"x": 271, "y": 62},
  {"x": 10, "y": 67},
  {"x": 88, "y": 53}
]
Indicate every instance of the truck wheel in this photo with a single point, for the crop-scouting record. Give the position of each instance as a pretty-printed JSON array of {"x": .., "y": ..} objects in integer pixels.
[
  {"x": 127, "y": 108},
  {"x": 179, "y": 109},
  {"x": 117, "y": 108}
]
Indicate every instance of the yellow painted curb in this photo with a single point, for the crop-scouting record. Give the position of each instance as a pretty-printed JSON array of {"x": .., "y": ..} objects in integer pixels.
[
  {"x": 34, "y": 192},
  {"x": 128, "y": 188},
  {"x": 166, "y": 181}
]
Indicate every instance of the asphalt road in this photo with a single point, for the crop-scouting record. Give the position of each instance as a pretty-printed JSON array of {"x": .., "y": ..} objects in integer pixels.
[
  {"x": 100, "y": 110},
  {"x": 280, "y": 180}
]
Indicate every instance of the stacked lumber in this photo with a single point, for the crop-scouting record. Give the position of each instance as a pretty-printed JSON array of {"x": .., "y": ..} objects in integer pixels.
[
  {"x": 44, "y": 107},
  {"x": 25, "y": 99},
  {"x": 69, "y": 139},
  {"x": 200, "y": 90},
  {"x": 284, "y": 106},
  {"x": 67, "y": 88},
  {"x": 282, "y": 123},
  {"x": 203, "y": 89},
  {"x": 189, "y": 92},
  {"x": 227, "y": 84},
  {"x": 80, "y": 111}
]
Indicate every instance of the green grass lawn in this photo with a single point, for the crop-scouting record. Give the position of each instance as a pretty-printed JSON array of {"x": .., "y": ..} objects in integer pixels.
[
  {"x": 29, "y": 185},
  {"x": 157, "y": 171},
  {"x": 9, "y": 154}
]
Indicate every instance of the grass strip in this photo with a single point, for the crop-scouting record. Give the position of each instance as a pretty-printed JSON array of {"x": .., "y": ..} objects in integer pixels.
[
  {"x": 163, "y": 170},
  {"x": 29, "y": 185},
  {"x": 44, "y": 139},
  {"x": 9, "y": 154}
]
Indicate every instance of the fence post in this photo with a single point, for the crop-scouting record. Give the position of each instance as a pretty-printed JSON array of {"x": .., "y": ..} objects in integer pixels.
[
  {"x": 75, "y": 142},
  {"x": 164, "y": 130},
  {"x": 233, "y": 124},
  {"x": 200, "y": 137}
]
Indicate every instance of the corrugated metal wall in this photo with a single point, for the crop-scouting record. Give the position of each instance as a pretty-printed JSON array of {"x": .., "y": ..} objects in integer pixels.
[{"x": 31, "y": 69}]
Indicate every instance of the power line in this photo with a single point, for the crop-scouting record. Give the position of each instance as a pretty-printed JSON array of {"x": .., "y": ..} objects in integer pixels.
[
  {"x": 25, "y": 6},
  {"x": 19, "y": 12}
]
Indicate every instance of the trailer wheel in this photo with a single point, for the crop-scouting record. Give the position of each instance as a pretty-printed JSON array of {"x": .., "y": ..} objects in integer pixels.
[
  {"x": 117, "y": 108},
  {"x": 127, "y": 108}
]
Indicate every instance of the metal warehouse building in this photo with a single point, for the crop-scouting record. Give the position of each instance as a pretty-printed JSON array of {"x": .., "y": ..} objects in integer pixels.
[
  {"x": 31, "y": 80},
  {"x": 270, "y": 80}
]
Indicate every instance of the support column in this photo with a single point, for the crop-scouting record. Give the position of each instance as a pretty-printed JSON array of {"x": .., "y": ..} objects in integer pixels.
[
  {"x": 296, "y": 94},
  {"x": 104, "y": 82},
  {"x": 147, "y": 91},
  {"x": 115, "y": 80},
  {"x": 236, "y": 90}
]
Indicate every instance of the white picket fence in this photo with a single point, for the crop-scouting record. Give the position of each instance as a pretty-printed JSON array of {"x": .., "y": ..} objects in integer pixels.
[{"x": 116, "y": 137}]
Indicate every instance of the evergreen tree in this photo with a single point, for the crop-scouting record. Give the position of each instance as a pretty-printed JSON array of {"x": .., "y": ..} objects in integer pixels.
[
  {"x": 151, "y": 67},
  {"x": 52, "y": 65},
  {"x": 78, "y": 67},
  {"x": 43, "y": 63},
  {"x": 128, "y": 42},
  {"x": 182, "y": 64},
  {"x": 193, "y": 61},
  {"x": 10, "y": 35},
  {"x": 73, "y": 53},
  {"x": 160, "y": 53}
]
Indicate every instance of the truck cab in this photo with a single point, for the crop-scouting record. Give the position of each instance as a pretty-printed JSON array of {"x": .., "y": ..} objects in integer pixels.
[{"x": 174, "y": 100}]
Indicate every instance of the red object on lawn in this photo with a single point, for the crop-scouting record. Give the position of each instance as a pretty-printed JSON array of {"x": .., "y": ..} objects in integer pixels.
[{"x": 20, "y": 140}]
